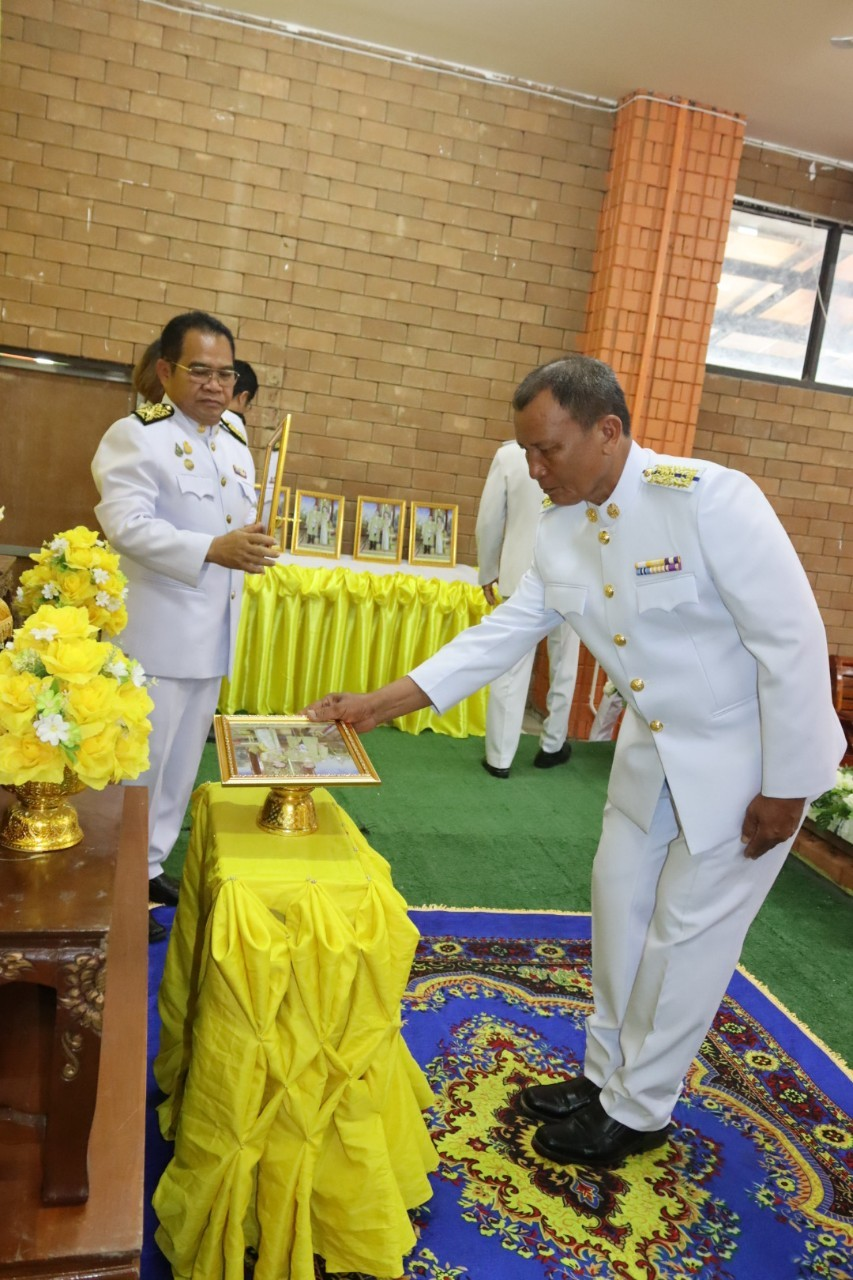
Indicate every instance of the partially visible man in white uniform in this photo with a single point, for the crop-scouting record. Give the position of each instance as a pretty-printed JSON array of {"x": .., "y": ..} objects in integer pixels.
[
  {"x": 680, "y": 580},
  {"x": 177, "y": 495},
  {"x": 510, "y": 506}
]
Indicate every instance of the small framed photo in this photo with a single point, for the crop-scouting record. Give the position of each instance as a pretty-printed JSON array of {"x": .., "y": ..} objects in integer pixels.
[
  {"x": 292, "y": 750},
  {"x": 432, "y": 534},
  {"x": 379, "y": 529},
  {"x": 318, "y": 524}
]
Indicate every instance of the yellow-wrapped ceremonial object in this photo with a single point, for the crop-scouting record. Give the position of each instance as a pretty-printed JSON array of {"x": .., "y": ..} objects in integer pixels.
[
  {"x": 294, "y": 1103},
  {"x": 308, "y": 632}
]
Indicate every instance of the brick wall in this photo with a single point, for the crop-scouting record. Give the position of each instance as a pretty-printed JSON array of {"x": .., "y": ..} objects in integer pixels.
[{"x": 395, "y": 247}]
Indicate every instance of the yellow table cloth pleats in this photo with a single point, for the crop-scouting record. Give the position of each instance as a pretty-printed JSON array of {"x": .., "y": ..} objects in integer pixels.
[
  {"x": 293, "y": 1101},
  {"x": 307, "y": 632}
]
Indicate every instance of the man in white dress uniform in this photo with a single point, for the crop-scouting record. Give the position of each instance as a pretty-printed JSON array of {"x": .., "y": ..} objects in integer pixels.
[
  {"x": 681, "y": 581},
  {"x": 509, "y": 512},
  {"x": 177, "y": 498}
]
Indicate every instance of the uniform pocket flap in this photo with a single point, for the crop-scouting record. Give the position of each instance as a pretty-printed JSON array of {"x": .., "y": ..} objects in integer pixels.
[
  {"x": 666, "y": 591},
  {"x": 199, "y": 486},
  {"x": 565, "y": 598}
]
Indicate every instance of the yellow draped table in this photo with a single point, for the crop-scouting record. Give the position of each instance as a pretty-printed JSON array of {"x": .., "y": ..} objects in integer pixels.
[
  {"x": 293, "y": 1102},
  {"x": 306, "y": 632}
]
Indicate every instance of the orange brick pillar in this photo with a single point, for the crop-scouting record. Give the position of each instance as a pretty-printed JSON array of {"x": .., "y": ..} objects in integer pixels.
[{"x": 658, "y": 257}]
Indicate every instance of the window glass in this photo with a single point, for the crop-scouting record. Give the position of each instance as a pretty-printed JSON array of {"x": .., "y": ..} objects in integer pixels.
[
  {"x": 767, "y": 294},
  {"x": 835, "y": 364}
]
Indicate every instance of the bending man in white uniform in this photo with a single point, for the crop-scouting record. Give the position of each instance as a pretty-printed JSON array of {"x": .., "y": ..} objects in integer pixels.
[
  {"x": 177, "y": 495},
  {"x": 509, "y": 512},
  {"x": 679, "y": 578}
]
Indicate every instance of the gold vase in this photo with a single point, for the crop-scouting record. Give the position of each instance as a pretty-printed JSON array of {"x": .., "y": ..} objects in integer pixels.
[
  {"x": 288, "y": 811},
  {"x": 40, "y": 821}
]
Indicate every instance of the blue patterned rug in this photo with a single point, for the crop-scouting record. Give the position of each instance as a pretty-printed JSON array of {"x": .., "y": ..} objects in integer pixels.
[{"x": 755, "y": 1183}]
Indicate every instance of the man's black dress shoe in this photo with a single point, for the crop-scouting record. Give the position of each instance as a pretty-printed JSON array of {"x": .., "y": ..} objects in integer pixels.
[
  {"x": 157, "y": 932},
  {"x": 552, "y": 1102},
  {"x": 591, "y": 1137},
  {"x": 164, "y": 890},
  {"x": 494, "y": 770},
  {"x": 547, "y": 759}
]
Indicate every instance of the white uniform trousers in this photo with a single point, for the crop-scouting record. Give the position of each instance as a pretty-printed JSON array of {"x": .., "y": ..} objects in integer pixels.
[
  {"x": 508, "y": 699},
  {"x": 667, "y": 932},
  {"x": 180, "y": 723}
]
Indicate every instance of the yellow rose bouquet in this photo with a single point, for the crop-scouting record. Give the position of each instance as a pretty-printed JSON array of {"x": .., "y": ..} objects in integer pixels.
[
  {"x": 77, "y": 568},
  {"x": 70, "y": 701}
]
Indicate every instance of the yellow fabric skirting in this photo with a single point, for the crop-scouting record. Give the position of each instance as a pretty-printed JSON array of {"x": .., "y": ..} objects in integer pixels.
[
  {"x": 307, "y": 632},
  {"x": 293, "y": 1101}
]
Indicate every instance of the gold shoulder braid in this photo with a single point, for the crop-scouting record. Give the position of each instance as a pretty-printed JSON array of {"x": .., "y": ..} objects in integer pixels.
[
  {"x": 153, "y": 412},
  {"x": 232, "y": 431},
  {"x": 670, "y": 477}
]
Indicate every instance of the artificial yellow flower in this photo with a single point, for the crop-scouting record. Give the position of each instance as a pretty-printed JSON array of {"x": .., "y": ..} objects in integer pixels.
[
  {"x": 131, "y": 755},
  {"x": 95, "y": 703},
  {"x": 76, "y": 586},
  {"x": 134, "y": 703},
  {"x": 79, "y": 536},
  {"x": 25, "y": 758},
  {"x": 75, "y": 661},
  {"x": 18, "y": 691},
  {"x": 69, "y": 623},
  {"x": 95, "y": 758}
]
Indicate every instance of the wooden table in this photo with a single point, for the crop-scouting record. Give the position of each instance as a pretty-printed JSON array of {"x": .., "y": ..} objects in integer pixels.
[{"x": 73, "y": 972}]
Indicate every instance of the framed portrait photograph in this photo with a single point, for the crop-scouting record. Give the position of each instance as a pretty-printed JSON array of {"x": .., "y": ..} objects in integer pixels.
[
  {"x": 318, "y": 524},
  {"x": 432, "y": 533},
  {"x": 292, "y": 750},
  {"x": 379, "y": 529}
]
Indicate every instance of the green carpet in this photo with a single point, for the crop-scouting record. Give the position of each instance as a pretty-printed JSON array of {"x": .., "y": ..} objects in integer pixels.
[{"x": 457, "y": 837}]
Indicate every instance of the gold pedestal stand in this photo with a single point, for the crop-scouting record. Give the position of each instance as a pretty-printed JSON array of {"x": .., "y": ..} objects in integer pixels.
[
  {"x": 41, "y": 821},
  {"x": 288, "y": 811}
]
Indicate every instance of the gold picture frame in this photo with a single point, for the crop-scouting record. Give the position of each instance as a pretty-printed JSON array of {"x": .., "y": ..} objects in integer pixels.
[
  {"x": 269, "y": 750},
  {"x": 432, "y": 533},
  {"x": 379, "y": 524},
  {"x": 318, "y": 524},
  {"x": 271, "y": 488}
]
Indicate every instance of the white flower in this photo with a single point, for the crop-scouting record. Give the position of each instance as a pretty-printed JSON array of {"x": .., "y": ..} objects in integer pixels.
[
  {"x": 113, "y": 604},
  {"x": 117, "y": 668},
  {"x": 52, "y": 729},
  {"x": 137, "y": 675},
  {"x": 49, "y": 590},
  {"x": 59, "y": 545},
  {"x": 102, "y": 599},
  {"x": 44, "y": 633},
  {"x": 19, "y": 593},
  {"x": 100, "y": 576}
]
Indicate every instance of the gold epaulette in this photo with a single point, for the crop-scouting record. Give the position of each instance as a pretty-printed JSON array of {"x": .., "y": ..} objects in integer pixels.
[
  {"x": 153, "y": 412},
  {"x": 232, "y": 430},
  {"x": 671, "y": 477}
]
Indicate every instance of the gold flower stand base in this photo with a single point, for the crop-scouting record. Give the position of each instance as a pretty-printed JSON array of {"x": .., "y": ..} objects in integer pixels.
[
  {"x": 41, "y": 821},
  {"x": 288, "y": 811}
]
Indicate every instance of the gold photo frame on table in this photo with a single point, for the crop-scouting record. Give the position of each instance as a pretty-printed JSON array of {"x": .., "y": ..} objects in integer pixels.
[
  {"x": 318, "y": 524},
  {"x": 290, "y": 755},
  {"x": 432, "y": 533},
  {"x": 273, "y": 510},
  {"x": 379, "y": 526}
]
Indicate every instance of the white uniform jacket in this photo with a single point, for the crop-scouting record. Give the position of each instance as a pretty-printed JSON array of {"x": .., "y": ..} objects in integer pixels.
[
  {"x": 721, "y": 657},
  {"x": 168, "y": 487},
  {"x": 508, "y": 514}
]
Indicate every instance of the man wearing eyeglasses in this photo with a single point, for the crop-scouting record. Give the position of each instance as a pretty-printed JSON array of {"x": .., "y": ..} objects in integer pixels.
[{"x": 178, "y": 503}]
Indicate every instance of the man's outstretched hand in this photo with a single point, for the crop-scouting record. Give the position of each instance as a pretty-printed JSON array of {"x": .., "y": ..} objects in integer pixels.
[
  {"x": 249, "y": 549},
  {"x": 769, "y": 821},
  {"x": 364, "y": 711}
]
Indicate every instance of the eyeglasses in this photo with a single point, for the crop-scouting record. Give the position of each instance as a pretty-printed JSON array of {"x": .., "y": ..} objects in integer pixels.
[{"x": 202, "y": 373}]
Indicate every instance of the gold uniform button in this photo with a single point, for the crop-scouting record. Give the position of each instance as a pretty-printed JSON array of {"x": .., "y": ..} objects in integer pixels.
[
  {"x": 620, "y": 639},
  {"x": 201, "y": 430},
  {"x": 213, "y": 446},
  {"x": 608, "y": 590},
  {"x": 613, "y": 510},
  {"x": 187, "y": 447},
  {"x": 604, "y": 536},
  {"x": 223, "y": 482},
  {"x": 189, "y": 464},
  {"x": 655, "y": 726},
  {"x": 227, "y": 519},
  {"x": 638, "y": 685},
  {"x": 233, "y": 595},
  {"x": 591, "y": 515}
]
